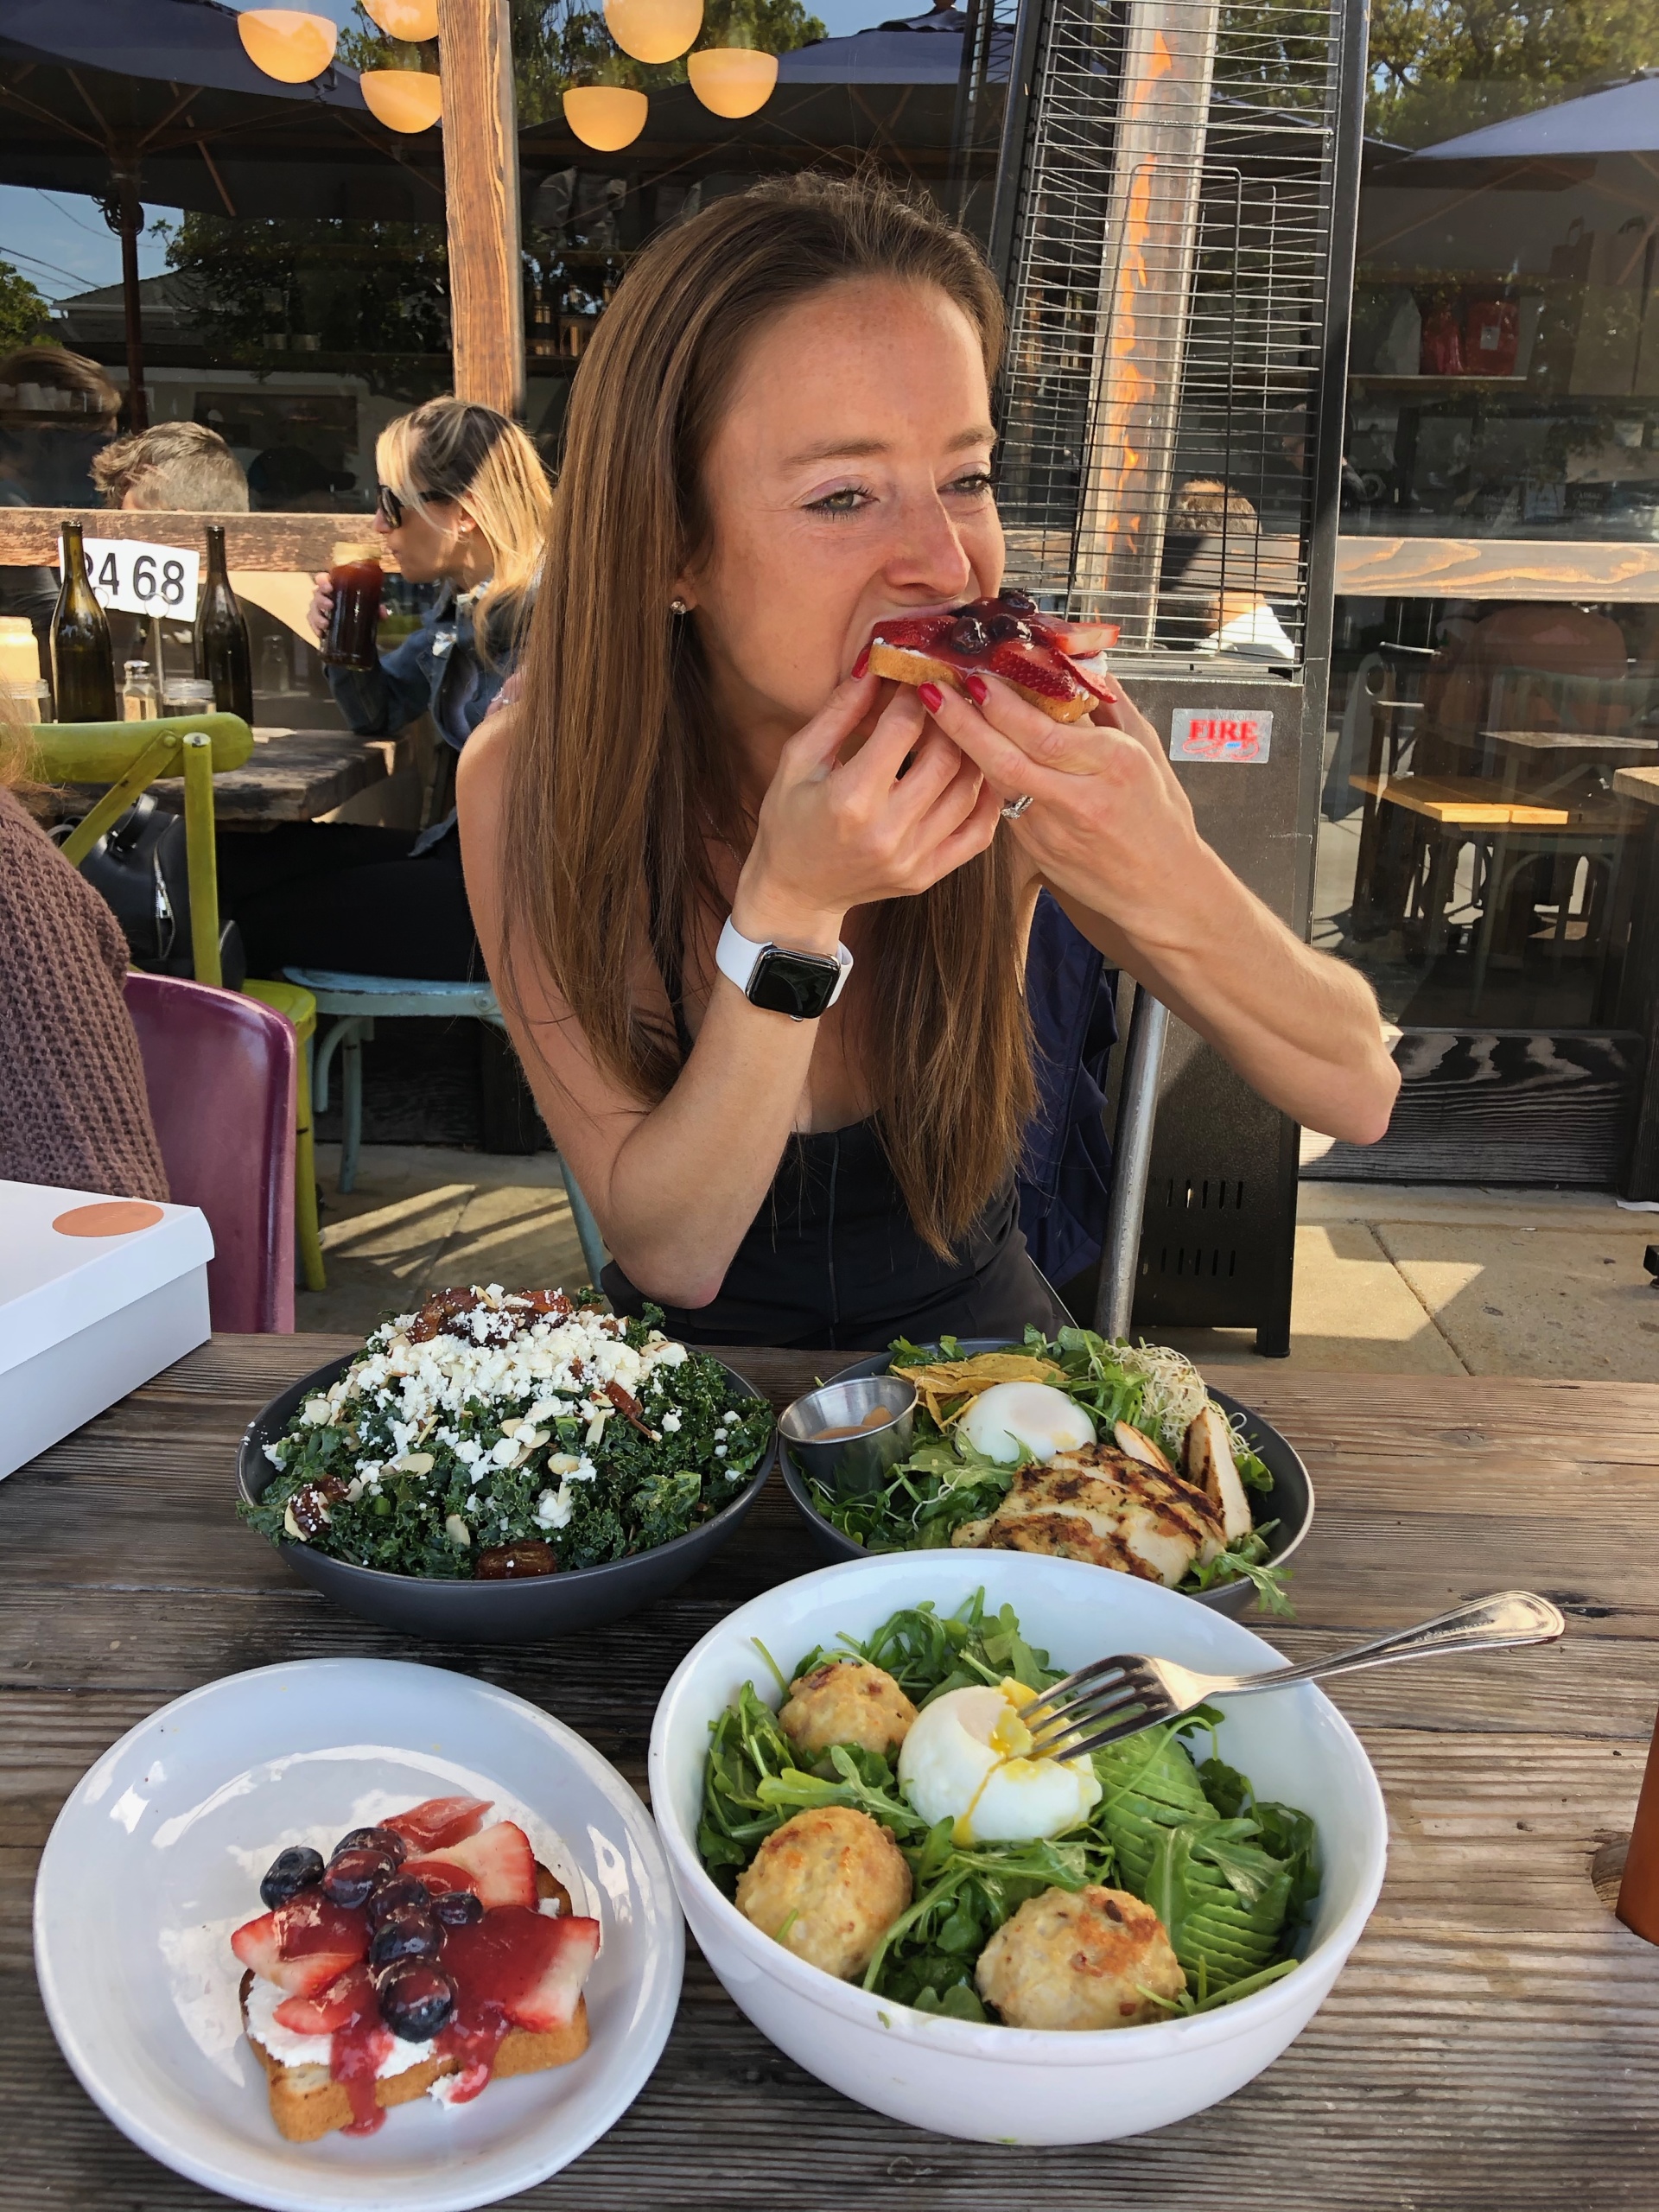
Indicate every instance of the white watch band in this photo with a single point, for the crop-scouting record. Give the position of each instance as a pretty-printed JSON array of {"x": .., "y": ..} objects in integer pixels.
[{"x": 737, "y": 958}]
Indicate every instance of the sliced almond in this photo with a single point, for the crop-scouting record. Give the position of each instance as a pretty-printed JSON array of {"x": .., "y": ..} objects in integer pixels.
[
  {"x": 413, "y": 1463},
  {"x": 1211, "y": 1465},
  {"x": 1140, "y": 1445}
]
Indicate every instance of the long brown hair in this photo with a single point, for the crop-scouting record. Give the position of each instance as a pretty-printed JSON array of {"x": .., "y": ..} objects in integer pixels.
[{"x": 619, "y": 777}]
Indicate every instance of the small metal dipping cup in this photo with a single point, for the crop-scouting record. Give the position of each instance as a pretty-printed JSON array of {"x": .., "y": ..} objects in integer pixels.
[{"x": 851, "y": 1466}]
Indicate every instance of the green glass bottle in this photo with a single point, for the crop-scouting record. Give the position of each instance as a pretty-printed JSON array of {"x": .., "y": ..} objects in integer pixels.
[
  {"x": 223, "y": 657},
  {"x": 83, "y": 670}
]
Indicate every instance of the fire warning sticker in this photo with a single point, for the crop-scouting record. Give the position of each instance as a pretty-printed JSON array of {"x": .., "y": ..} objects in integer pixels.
[{"x": 1220, "y": 734}]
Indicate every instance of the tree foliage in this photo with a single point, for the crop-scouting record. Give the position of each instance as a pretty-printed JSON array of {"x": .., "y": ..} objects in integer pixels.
[
  {"x": 24, "y": 315},
  {"x": 1440, "y": 67},
  {"x": 376, "y": 288}
]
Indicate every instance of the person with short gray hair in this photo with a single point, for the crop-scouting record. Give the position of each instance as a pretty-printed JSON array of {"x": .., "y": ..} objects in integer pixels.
[{"x": 181, "y": 467}]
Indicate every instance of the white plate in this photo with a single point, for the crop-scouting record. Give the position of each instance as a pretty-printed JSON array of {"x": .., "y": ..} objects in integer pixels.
[{"x": 157, "y": 1855}]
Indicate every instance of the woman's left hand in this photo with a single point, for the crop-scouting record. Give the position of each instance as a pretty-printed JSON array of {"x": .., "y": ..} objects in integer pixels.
[
  {"x": 1110, "y": 831},
  {"x": 1108, "y": 825}
]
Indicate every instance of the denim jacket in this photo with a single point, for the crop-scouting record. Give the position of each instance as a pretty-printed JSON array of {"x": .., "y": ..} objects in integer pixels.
[{"x": 437, "y": 668}]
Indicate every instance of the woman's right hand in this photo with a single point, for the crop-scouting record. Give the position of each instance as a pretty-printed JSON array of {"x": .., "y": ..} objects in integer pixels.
[
  {"x": 322, "y": 607},
  {"x": 901, "y": 813}
]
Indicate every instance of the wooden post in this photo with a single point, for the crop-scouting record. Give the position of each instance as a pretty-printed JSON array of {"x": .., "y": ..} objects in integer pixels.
[{"x": 480, "y": 167}]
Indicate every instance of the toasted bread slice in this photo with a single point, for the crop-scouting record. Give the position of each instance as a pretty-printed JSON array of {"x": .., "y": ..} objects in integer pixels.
[
  {"x": 307, "y": 2103},
  {"x": 901, "y": 665}
]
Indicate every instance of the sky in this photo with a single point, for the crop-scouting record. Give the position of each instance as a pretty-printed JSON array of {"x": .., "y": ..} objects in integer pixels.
[{"x": 61, "y": 242}]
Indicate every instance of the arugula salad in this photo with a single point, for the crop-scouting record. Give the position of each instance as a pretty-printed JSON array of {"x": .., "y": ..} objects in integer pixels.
[
  {"x": 1148, "y": 1408},
  {"x": 1230, "y": 1879},
  {"x": 499, "y": 1433}
]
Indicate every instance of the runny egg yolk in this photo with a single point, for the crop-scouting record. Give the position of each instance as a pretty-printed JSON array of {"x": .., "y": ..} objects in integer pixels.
[{"x": 968, "y": 1759}]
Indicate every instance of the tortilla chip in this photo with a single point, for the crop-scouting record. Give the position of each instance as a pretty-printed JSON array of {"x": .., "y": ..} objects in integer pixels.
[{"x": 946, "y": 1382}]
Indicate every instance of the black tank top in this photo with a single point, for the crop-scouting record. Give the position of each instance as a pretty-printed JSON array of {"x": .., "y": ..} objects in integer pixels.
[{"x": 833, "y": 1261}]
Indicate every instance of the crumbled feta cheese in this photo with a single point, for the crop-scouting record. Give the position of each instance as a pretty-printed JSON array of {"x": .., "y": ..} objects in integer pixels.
[
  {"x": 273, "y": 1453},
  {"x": 719, "y": 1450},
  {"x": 671, "y": 1422},
  {"x": 553, "y": 1508},
  {"x": 505, "y": 1452}
]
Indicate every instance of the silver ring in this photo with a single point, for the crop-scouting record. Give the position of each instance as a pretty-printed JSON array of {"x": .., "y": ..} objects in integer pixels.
[{"x": 1016, "y": 807}]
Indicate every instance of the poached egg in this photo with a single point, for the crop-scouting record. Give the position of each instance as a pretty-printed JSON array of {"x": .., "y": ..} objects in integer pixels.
[
  {"x": 1012, "y": 1421},
  {"x": 967, "y": 1759}
]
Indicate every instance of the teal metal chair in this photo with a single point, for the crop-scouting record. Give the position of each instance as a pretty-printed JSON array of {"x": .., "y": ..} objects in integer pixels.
[{"x": 357, "y": 1002}]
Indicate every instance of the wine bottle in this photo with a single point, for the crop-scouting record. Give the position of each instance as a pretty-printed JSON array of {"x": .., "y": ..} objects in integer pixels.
[
  {"x": 223, "y": 659},
  {"x": 83, "y": 672}
]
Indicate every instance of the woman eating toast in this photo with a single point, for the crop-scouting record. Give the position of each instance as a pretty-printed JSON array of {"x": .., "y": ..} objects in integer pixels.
[{"x": 758, "y": 915}]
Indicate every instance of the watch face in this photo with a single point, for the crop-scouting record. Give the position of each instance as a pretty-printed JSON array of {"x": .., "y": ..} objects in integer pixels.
[{"x": 799, "y": 984}]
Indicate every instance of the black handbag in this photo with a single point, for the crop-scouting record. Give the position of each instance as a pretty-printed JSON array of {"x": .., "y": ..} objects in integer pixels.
[{"x": 139, "y": 868}]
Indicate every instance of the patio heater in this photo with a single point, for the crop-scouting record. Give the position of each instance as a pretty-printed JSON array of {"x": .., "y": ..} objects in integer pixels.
[{"x": 1173, "y": 221}]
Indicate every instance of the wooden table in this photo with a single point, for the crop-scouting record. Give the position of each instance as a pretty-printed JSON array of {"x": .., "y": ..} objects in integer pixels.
[
  {"x": 1493, "y": 2045},
  {"x": 295, "y": 775}
]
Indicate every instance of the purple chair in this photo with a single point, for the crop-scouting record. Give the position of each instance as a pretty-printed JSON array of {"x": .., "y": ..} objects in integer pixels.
[{"x": 219, "y": 1069}]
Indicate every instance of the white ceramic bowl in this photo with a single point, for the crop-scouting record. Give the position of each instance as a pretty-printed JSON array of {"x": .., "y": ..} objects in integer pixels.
[
  {"x": 156, "y": 1856},
  {"x": 1020, "y": 2085}
]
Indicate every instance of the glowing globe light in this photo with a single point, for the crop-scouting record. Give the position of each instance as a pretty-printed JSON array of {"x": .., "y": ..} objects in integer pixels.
[
  {"x": 606, "y": 117},
  {"x": 403, "y": 100},
  {"x": 654, "y": 30},
  {"x": 414, "y": 20},
  {"x": 731, "y": 80},
  {"x": 287, "y": 43}
]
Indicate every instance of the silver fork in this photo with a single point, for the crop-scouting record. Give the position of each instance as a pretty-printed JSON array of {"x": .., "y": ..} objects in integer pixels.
[{"x": 1117, "y": 1697}]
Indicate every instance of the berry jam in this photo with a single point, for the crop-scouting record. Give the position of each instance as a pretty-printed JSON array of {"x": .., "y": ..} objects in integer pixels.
[
  {"x": 1007, "y": 637},
  {"x": 494, "y": 1964}
]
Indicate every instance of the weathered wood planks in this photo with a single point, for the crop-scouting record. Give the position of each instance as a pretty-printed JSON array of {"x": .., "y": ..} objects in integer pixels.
[{"x": 1492, "y": 2047}]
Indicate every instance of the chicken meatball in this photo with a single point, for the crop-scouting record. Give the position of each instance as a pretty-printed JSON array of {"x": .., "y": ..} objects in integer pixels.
[
  {"x": 846, "y": 1702},
  {"x": 1090, "y": 1958},
  {"x": 828, "y": 1884}
]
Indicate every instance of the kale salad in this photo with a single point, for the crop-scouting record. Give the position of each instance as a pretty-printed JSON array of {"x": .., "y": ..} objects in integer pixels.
[
  {"x": 499, "y": 1433},
  {"x": 1231, "y": 1878},
  {"x": 1147, "y": 1399}
]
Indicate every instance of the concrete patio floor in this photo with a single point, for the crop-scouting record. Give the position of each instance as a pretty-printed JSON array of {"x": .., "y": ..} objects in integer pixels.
[{"x": 1389, "y": 1280}]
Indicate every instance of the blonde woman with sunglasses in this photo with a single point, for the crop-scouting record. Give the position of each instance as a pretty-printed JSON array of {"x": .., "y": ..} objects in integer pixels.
[{"x": 464, "y": 503}]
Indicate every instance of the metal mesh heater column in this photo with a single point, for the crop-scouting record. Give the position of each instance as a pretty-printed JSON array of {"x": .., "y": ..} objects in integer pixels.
[
  {"x": 1174, "y": 223},
  {"x": 1152, "y": 228}
]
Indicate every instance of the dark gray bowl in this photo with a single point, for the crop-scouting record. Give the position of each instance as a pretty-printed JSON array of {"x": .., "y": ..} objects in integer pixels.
[
  {"x": 1290, "y": 1502},
  {"x": 489, "y": 1613}
]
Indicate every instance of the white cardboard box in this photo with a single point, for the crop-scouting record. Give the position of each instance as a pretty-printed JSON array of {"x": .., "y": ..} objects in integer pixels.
[{"x": 85, "y": 1318}]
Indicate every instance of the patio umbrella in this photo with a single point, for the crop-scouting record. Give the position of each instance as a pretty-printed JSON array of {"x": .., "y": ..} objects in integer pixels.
[
  {"x": 130, "y": 99},
  {"x": 1625, "y": 119}
]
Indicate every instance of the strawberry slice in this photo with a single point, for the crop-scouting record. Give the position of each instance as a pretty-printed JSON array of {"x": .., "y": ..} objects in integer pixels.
[
  {"x": 551, "y": 2002},
  {"x": 301, "y": 1961},
  {"x": 349, "y": 1998},
  {"x": 438, "y": 1874},
  {"x": 527, "y": 1966},
  {"x": 439, "y": 1821},
  {"x": 499, "y": 1863}
]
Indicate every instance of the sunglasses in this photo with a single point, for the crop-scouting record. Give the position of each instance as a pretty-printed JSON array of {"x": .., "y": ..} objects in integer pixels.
[{"x": 389, "y": 507}]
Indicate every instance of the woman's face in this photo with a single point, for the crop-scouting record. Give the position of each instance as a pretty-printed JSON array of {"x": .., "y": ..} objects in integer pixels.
[
  {"x": 431, "y": 546},
  {"x": 849, "y": 480}
]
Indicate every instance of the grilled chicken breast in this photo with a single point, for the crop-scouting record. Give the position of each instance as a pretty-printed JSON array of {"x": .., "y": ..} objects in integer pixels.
[{"x": 1102, "y": 1505}]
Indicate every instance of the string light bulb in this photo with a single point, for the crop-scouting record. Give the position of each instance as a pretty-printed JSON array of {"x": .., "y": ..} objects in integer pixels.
[
  {"x": 288, "y": 43},
  {"x": 606, "y": 117},
  {"x": 403, "y": 100},
  {"x": 416, "y": 21},
  {"x": 731, "y": 80},
  {"x": 654, "y": 30}
]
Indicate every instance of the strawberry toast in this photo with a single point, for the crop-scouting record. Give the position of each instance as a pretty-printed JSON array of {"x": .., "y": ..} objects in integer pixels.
[
  {"x": 429, "y": 1953},
  {"x": 1038, "y": 654}
]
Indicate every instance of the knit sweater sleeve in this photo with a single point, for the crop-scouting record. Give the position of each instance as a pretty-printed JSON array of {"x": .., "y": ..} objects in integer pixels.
[{"x": 73, "y": 1110}]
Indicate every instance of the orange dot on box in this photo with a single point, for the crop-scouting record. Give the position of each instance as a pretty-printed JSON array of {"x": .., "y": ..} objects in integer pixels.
[{"x": 108, "y": 1217}]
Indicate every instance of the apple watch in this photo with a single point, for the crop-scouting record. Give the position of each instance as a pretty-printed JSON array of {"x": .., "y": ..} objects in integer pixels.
[{"x": 802, "y": 985}]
